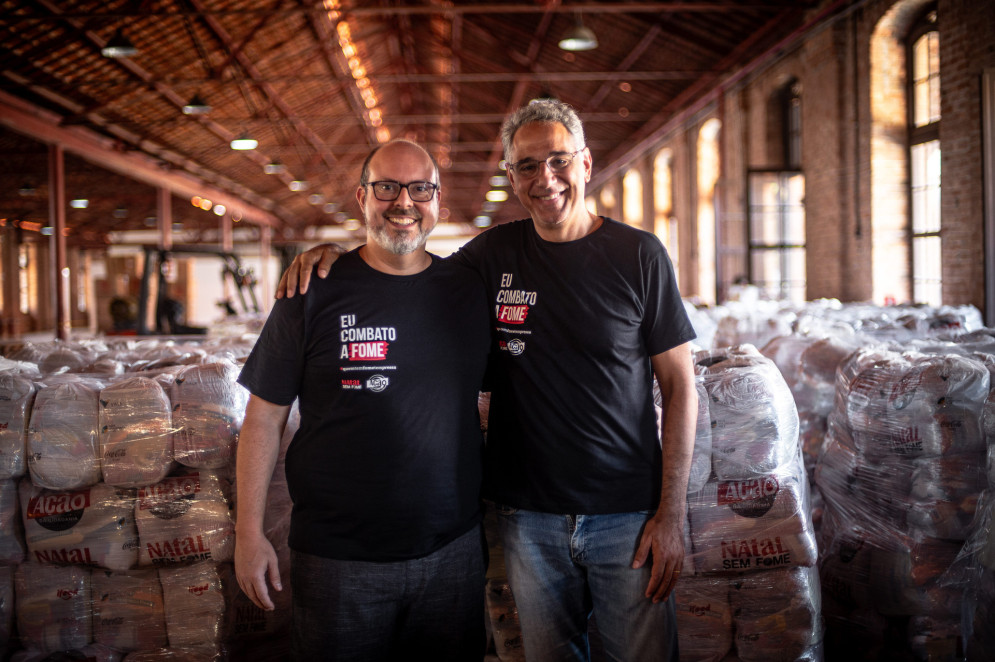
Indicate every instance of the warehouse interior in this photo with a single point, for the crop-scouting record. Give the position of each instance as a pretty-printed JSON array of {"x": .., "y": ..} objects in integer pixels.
[{"x": 821, "y": 172}]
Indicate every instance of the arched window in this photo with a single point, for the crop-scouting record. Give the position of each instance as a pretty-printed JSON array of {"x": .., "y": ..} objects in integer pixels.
[
  {"x": 664, "y": 220},
  {"x": 632, "y": 198},
  {"x": 709, "y": 168},
  {"x": 924, "y": 160}
]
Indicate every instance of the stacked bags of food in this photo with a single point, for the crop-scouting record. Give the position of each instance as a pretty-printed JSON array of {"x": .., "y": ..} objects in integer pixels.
[
  {"x": 901, "y": 474},
  {"x": 750, "y": 543},
  {"x": 103, "y": 513}
]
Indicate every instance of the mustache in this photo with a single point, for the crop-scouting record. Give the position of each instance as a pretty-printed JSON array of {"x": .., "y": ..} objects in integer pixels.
[{"x": 404, "y": 211}]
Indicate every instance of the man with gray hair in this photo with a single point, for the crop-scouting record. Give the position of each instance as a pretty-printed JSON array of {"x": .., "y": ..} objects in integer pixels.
[{"x": 585, "y": 311}]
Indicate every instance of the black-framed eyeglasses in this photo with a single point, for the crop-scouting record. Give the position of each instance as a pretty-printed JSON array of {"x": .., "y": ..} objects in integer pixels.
[
  {"x": 387, "y": 190},
  {"x": 558, "y": 162}
]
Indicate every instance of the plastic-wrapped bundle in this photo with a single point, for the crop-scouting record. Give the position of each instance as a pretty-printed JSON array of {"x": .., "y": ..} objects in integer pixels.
[
  {"x": 944, "y": 495},
  {"x": 88, "y": 653},
  {"x": 208, "y": 409},
  {"x": 16, "y": 397},
  {"x": 786, "y": 353},
  {"x": 6, "y": 609},
  {"x": 64, "y": 359},
  {"x": 264, "y": 635},
  {"x": 91, "y": 526},
  {"x": 988, "y": 413},
  {"x": 920, "y": 405},
  {"x": 777, "y": 615},
  {"x": 62, "y": 436},
  {"x": 11, "y": 531},
  {"x": 755, "y": 322},
  {"x": 704, "y": 618},
  {"x": 752, "y": 524},
  {"x": 701, "y": 457},
  {"x": 178, "y": 654},
  {"x": 754, "y": 420},
  {"x": 53, "y": 606},
  {"x": 980, "y": 614},
  {"x": 195, "y": 604},
  {"x": 935, "y": 639},
  {"x": 867, "y": 491},
  {"x": 128, "y": 611},
  {"x": 183, "y": 519},
  {"x": 845, "y": 563},
  {"x": 256, "y": 634},
  {"x": 816, "y": 386},
  {"x": 136, "y": 441},
  {"x": 906, "y": 578}
]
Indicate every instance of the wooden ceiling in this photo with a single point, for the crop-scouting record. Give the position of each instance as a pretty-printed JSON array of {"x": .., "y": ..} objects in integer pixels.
[{"x": 318, "y": 83}]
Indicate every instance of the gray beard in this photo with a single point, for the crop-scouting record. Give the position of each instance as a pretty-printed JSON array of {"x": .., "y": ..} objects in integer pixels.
[{"x": 395, "y": 243}]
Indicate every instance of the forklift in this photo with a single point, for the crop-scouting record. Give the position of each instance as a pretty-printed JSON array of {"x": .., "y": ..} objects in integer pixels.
[{"x": 168, "y": 311}]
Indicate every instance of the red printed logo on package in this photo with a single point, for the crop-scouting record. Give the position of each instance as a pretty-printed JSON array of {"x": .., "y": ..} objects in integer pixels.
[
  {"x": 749, "y": 498},
  {"x": 171, "y": 497},
  {"x": 58, "y": 511}
]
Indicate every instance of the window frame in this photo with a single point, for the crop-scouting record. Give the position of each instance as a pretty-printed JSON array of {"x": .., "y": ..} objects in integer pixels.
[
  {"x": 784, "y": 247},
  {"x": 918, "y": 136}
]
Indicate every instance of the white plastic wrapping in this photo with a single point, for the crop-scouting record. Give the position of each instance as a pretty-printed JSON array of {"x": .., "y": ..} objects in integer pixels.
[
  {"x": 777, "y": 615},
  {"x": 62, "y": 436},
  {"x": 89, "y": 653},
  {"x": 136, "y": 440},
  {"x": 184, "y": 519},
  {"x": 704, "y": 618},
  {"x": 17, "y": 394},
  {"x": 90, "y": 526},
  {"x": 53, "y": 605},
  {"x": 177, "y": 654},
  {"x": 208, "y": 409},
  {"x": 752, "y": 524},
  {"x": 195, "y": 604},
  {"x": 128, "y": 612},
  {"x": 701, "y": 457},
  {"x": 917, "y": 405},
  {"x": 754, "y": 419}
]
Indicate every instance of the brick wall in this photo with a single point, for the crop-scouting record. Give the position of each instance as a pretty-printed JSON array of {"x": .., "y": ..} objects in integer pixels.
[{"x": 852, "y": 77}]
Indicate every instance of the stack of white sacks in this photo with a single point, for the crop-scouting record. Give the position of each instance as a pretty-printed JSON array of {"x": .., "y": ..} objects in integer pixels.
[
  {"x": 116, "y": 520},
  {"x": 754, "y": 591},
  {"x": 902, "y": 470}
]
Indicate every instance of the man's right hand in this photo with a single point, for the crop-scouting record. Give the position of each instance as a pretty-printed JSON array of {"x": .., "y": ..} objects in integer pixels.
[
  {"x": 255, "y": 559},
  {"x": 299, "y": 271}
]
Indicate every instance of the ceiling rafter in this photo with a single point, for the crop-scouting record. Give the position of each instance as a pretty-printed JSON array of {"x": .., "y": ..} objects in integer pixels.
[
  {"x": 518, "y": 95},
  {"x": 453, "y": 73},
  {"x": 269, "y": 91}
]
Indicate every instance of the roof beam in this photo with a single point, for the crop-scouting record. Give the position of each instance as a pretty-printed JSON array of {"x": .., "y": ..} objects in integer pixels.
[{"x": 43, "y": 126}]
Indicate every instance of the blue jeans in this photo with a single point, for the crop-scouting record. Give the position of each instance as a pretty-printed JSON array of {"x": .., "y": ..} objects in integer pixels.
[
  {"x": 431, "y": 608},
  {"x": 561, "y": 568}
]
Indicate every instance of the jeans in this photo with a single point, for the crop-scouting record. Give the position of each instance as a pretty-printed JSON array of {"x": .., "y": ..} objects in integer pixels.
[
  {"x": 431, "y": 608},
  {"x": 561, "y": 568}
]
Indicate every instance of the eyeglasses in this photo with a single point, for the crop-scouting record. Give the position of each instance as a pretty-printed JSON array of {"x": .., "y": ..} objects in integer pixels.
[
  {"x": 387, "y": 190},
  {"x": 529, "y": 168}
]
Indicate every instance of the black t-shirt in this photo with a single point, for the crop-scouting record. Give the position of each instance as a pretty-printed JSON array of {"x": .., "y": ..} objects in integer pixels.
[
  {"x": 572, "y": 427},
  {"x": 386, "y": 464}
]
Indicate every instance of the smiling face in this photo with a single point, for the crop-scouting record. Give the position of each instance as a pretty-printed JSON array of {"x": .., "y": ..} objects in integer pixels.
[
  {"x": 399, "y": 226},
  {"x": 554, "y": 199}
]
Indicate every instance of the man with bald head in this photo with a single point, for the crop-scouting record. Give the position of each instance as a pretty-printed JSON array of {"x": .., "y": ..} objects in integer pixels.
[
  {"x": 386, "y": 358},
  {"x": 585, "y": 314}
]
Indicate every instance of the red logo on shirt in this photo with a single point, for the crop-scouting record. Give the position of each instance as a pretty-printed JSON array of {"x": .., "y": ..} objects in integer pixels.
[
  {"x": 368, "y": 351},
  {"x": 512, "y": 314}
]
